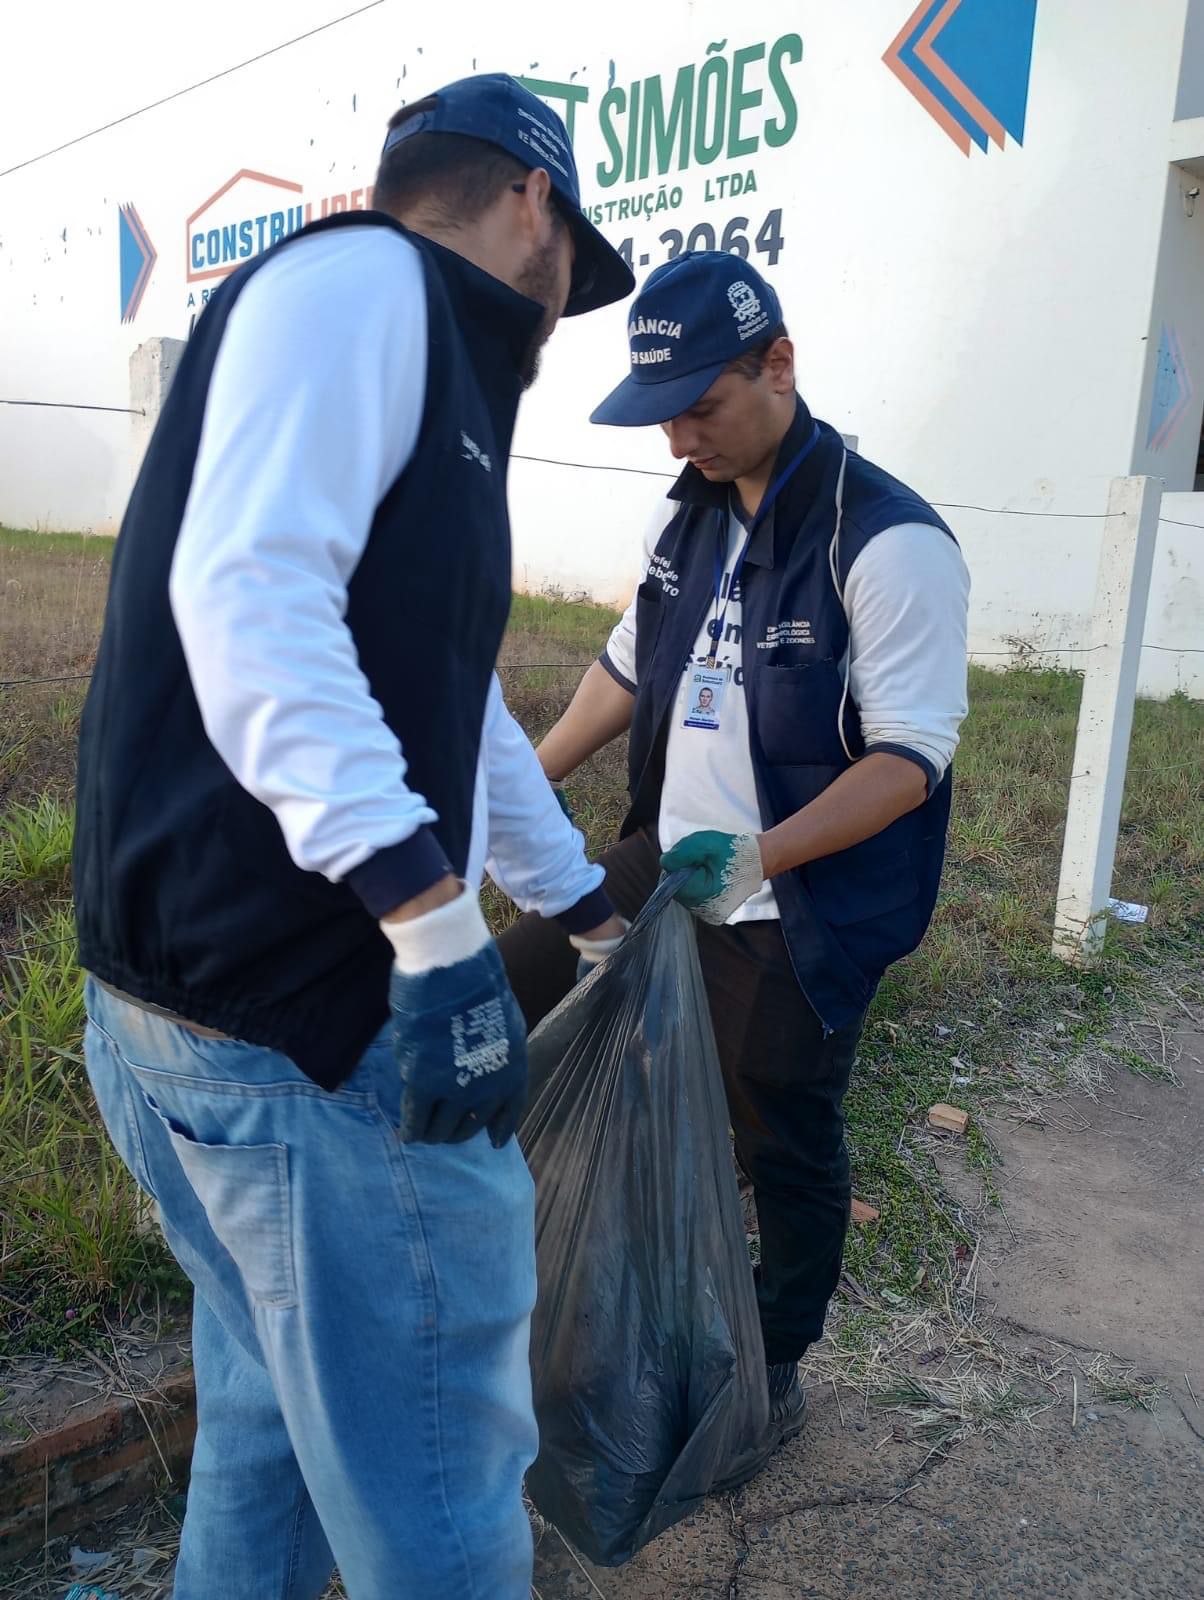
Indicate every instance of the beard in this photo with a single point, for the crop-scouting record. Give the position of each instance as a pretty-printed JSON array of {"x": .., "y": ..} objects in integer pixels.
[{"x": 538, "y": 281}]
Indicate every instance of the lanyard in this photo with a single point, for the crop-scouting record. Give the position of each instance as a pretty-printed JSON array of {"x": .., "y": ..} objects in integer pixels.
[{"x": 763, "y": 510}]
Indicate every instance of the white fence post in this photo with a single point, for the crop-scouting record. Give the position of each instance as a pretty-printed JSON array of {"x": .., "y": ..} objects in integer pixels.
[
  {"x": 152, "y": 368},
  {"x": 1101, "y": 750}
]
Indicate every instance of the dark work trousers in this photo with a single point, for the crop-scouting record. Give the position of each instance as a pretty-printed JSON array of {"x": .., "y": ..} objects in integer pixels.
[{"x": 785, "y": 1085}]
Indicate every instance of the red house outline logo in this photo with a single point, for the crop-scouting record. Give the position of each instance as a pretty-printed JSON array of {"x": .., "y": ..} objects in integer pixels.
[{"x": 195, "y": 276}]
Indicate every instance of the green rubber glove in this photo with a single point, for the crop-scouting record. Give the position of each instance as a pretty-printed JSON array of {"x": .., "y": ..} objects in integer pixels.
[{"x": 725, "y": 870}]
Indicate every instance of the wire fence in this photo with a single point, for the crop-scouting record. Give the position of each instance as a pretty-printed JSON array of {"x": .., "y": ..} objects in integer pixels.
[
  {"x": 1026, "y": 653},
  {"x": 670, "y": 477},
  {"x": 75, "y": 405}
]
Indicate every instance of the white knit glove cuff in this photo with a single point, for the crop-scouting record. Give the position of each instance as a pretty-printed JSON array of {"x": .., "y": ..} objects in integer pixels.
[
  {"x": 440, "y": 938},
  {"x": 596, "y": 950}
]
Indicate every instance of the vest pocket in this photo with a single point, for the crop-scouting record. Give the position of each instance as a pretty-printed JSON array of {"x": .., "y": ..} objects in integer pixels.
[
  {"x": 648, "y": 594},
  {"x": 797, "y": 711},
  {"x": 649, "y": 614}
]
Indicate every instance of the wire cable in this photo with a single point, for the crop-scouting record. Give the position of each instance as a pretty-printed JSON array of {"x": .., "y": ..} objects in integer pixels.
[{"x": 179, "y": 93}]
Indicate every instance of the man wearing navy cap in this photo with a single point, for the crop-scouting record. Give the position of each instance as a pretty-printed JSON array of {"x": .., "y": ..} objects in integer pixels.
[
  {"x": 823, "y": 605},
  {"x": 294, "y": 765}
]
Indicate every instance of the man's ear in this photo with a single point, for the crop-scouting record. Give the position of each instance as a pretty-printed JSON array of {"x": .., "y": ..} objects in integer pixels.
[
  {"x": 538, "y": 196},
  {"x": 779, "y": 363}
]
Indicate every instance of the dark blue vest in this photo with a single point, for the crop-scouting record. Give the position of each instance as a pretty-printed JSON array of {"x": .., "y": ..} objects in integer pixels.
[
  {"x": 845, "y": 917},
  {"x": 186, "y": 896}
]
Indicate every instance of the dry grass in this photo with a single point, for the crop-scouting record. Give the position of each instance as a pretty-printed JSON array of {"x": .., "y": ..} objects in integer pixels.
[
  {"x": 50, "y": 609},
  {"x": 131, "y": 1556},
  {"x": 948, "y": 1370}
]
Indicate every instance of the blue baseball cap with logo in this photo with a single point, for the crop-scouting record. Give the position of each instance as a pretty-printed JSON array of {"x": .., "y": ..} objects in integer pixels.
[
  {"x": 497, "y": 109},
  {"x": 695, "y": 314}
]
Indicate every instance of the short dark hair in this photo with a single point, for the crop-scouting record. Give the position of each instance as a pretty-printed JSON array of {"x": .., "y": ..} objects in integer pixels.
[
  {"x": 751, "y": 363},
  {"x": 459, "y": 175}
]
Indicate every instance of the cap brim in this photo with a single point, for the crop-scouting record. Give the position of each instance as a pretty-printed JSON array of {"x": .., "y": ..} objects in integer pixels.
[
  {"x": 636, "y": 403},
  {"x": 600, "y": 275}
]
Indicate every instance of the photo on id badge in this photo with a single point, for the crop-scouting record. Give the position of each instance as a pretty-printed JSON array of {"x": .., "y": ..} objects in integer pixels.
[{"x": 705, "y": 699}]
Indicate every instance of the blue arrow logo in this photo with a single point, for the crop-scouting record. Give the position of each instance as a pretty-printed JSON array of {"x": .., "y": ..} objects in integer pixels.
[
  {"x": 968, "y": 63},
  {"x": 1173, "y": 391},
  {"x": 138, "y": 257}
]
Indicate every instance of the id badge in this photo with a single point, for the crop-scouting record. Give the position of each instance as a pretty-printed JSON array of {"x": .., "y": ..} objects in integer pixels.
[{"x": 704, "y": 702}]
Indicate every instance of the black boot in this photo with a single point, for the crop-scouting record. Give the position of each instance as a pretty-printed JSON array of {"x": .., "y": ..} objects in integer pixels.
[
  {"x": 787, "y": 1413},
  {"x": 787, "y": 1401}
]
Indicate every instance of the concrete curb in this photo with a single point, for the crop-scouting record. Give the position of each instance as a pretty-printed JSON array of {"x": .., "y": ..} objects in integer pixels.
[{"x": 103, "y": 1459}]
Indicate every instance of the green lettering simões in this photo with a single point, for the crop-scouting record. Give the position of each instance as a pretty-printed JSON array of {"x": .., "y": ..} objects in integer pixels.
[
  {"x": 742, "y": 100},
  {"x": 614, "y": 100},
  {"x": 664, "y": 131},
  {"x": 633, "y": 132},
  {"x": 788, "y": 48},
  {"x": 712, "y": 106}
]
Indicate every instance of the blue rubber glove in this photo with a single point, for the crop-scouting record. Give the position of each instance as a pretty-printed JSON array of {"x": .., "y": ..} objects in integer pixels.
[
  {"x": 725, "y": 870},
  {"x": 458, "y": 1033},
  {"x": 562, "y": 800}
]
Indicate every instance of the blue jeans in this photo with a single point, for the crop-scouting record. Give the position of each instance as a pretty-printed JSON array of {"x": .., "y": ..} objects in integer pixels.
[{"x": 360, "y": 1325}]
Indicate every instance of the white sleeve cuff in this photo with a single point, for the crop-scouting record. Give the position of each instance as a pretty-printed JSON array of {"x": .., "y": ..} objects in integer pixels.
[{"x": 441, "y": 938}]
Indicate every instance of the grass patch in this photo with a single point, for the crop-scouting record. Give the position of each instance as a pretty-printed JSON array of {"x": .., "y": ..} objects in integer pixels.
[
  {"x": 35, "y": 842},
  {"x": 982, "y": 1013},
  {"x": 94, "y": 545},
  {"x": 1123, "y": 1386},
  {"x": 75, "y": 1239}
]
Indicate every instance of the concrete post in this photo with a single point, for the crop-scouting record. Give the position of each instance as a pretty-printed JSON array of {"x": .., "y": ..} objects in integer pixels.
[
  {"x": 152, "y": 368},
  {"x": 1101, "y": 749}
]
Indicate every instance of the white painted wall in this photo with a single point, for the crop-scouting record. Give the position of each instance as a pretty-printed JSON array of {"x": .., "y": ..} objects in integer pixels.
[
  {"x": 1034, "y": 587},
  {"x": 983, "y": 322}
]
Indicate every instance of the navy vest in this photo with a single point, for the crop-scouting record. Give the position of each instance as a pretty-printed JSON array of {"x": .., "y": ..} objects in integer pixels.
[
  {"x": 186, "y": 896},
  {"x": 847, "y": 916}
]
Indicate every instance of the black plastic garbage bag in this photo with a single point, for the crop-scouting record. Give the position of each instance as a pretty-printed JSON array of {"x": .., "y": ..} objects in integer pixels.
[{"x": 646, "y": 1350}]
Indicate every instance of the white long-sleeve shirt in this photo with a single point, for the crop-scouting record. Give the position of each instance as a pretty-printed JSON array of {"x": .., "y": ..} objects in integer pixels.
[
  {"x": 520, "y": 836},
  {"x": 314, "y": 408},
  {"x": 905, "y": 597}
]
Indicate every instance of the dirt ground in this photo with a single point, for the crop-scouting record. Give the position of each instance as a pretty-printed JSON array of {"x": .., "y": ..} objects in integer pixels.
[
  {"x": 1108, "y": 1511},
  {"x": 1107, "y": 1200},
  {"x": 1099, "y": 1246}
]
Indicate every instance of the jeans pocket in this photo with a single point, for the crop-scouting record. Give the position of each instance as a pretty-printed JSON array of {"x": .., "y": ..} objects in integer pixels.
[
  {"x": 244, "y": 1189},
  {"x": 115, "y": 1090}
]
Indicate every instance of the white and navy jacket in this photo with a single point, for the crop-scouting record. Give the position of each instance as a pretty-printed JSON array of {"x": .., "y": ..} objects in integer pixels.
[
  {"x": 283, "y": 737},
  {"x": 845, "y": 916}
]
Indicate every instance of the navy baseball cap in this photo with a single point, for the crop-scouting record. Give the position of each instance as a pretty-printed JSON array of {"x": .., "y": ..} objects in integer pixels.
[
  {"x": 497, "y": 109},
  {"x": 694, "y": 315}
]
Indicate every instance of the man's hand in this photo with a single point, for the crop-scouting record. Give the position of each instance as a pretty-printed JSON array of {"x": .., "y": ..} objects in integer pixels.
[
  {"x": 725, "y": 870},
  {"x": 458, "y": 1033}
]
